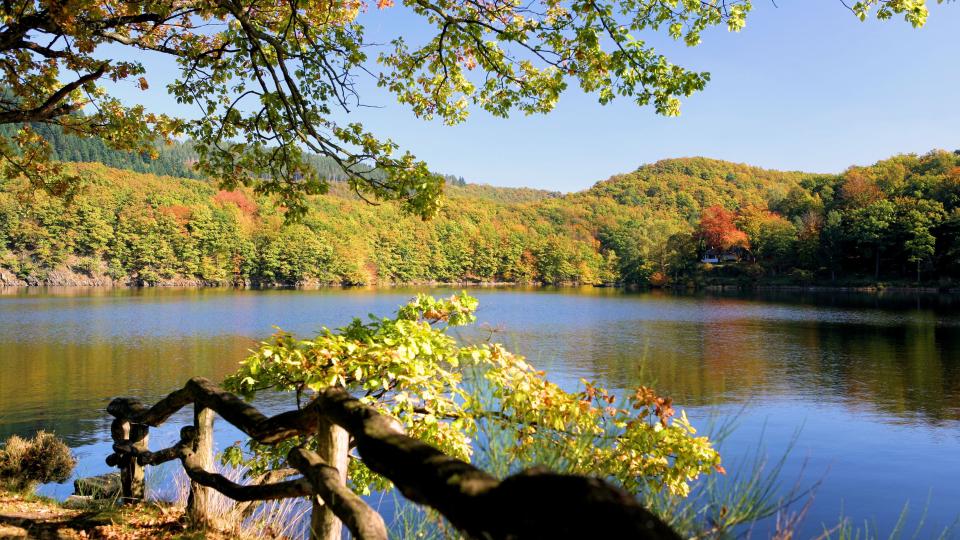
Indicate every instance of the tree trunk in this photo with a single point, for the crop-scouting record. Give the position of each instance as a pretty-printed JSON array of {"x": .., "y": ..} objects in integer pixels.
[
  {"x": 198, "y": 503},
  {"x": 876, "y": 270},
  {"x": 333, "y": 448}
]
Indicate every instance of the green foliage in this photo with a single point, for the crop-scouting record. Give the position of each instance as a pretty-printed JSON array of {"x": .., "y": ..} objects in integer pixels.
[
  {"x": 24, "y": 463},
  {"x": 148, "y": 229},
  {"x": 297, "y": 254},
  {"x": 408, "y": 367},
  {"x": 895, "y": 219},
  {"x": 890, "y": 219},
  {"x": 275, "y": 82}
]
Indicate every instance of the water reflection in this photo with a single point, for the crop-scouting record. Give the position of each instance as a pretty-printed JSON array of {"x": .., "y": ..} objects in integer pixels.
[
  {"x": 65, "y": 386},
  {"x": 874, "y": 379},
  {"x": 894, "y": 359},
  {"x": 66, "y": 352}
]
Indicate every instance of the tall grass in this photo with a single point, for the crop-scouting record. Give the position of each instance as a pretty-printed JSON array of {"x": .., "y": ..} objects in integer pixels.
[
  {"x": 846, "y": 529},
  {"x": 283, "y": 518},
  {"x": 26, "y": 463}
]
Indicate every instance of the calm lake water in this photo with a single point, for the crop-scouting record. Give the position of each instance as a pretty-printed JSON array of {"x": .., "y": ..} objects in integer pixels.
[{"x": 865, "y": 389}]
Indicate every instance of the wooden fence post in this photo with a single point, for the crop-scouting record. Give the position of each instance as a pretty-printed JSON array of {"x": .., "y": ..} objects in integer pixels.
[
  {"x": 131, "y": 472},
  {"x": 139, "y": 438},
  {"x": 334, "y": 450},
  {"x": 198, "y": 503}
]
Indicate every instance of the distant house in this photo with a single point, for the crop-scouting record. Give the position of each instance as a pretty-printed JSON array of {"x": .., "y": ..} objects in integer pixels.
[{"x": 734, "y": 254}]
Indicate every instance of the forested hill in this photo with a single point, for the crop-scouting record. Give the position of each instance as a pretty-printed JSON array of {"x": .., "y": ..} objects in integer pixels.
[
  {"x": 687, "y": 185},
  {"x": 892, "y": 221},
  {"x": 172, "y": 159}
]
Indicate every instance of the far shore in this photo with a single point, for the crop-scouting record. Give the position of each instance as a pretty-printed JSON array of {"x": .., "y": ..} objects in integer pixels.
[{"x": 8, "y": 282}]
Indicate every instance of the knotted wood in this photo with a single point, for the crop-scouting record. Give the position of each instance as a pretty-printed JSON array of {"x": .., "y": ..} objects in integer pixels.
[
  {"x": 135, "y": 437},
  {"x": 362, "y": 521},
  {"x": 333, "y": 447},
  {"x": 196, "y": 471},
  {"x": 199, "y": 499},
  {"x": 532, "y": 504},
  {"x": 230, "y": 407}
]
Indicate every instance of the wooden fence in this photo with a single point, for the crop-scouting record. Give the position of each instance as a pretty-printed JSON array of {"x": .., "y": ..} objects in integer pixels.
[{"x": 532, "y": 504}]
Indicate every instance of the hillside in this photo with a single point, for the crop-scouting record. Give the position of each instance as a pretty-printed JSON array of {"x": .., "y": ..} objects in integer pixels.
[
  {"x": 174, "y": 159},
  {"x": 647, "y": 226},
  {"x": 688, "y": 185}
]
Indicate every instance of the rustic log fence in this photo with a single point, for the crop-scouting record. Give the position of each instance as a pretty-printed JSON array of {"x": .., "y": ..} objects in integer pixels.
[{"x": 532, "y": 504}]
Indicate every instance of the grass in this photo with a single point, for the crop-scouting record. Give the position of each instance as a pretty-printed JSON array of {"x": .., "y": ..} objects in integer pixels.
[
  {"x": 847, "y": 530},
  {"x": 284, "y": 518}
]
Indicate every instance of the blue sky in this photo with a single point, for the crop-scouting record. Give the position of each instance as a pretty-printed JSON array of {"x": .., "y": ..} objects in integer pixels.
[{"x": 806, "y": 86}]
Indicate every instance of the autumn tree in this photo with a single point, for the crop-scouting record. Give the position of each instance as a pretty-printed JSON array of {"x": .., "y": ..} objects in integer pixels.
[
  {"x": 831, "y": 240},
  {"x": 272, "y": 81},
  {"x": 770, "y": 236},
  {"x": 718, "y": 230},
  {"x": 859, "y": 189}
]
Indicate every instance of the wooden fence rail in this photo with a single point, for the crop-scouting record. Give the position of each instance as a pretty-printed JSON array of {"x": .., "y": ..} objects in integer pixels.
[{"x": 532, "y": 504}]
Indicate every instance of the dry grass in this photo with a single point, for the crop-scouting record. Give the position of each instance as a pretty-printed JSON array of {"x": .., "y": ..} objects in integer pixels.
[
  {"x": 24, "y": 463},
  {"x": 285, "y": 518}
]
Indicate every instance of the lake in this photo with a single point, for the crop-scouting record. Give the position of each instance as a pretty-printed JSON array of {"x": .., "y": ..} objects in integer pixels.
[{"x": 862, "y": 389}]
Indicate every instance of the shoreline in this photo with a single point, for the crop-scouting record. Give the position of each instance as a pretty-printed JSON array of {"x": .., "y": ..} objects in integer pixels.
[
  {"x": 107, "y": 283},
  {"x": 838, "y": 288}
]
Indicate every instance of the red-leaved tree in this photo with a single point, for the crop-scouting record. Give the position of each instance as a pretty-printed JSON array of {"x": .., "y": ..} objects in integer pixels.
[{"x": 718, "y": 230}]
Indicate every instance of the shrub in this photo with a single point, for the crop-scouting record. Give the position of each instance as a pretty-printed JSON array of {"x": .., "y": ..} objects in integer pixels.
[
  {"x": 801, "y": 276},
  {"x": 413, "y": 370},
  {"x": 86, "y": 266},
  {"x": 116, "y": 271},
  {"x": 24, "y": 463},
  {"x": 659, "y": 279},
  {"x": 24, "y": 269}
]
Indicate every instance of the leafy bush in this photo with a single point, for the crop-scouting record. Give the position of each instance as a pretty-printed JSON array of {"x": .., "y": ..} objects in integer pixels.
[
  {"x": 24, "y": 463},
  {"x": 801, "y": 276},
  {"x": 86, "y": 266},
  {"x": 409, "y": 367}
]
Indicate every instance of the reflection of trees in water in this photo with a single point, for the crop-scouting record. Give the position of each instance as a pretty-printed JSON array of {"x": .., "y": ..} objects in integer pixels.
[
  {"x": 910, "y": 371},
  {"x": 65, "y": 387},
  {"x": 879, "y": 352},
  {"x": 946, "y": 304},
  {"x": 74, "y": 430}
]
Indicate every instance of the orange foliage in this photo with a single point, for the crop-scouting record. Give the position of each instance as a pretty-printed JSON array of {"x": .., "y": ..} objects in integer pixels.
[
  {"x": 859, "y": 189},
  {"x": 719, "y": 231},
  {"x": 659, "y": 279},
  {"x": 178, "y": 212},
  {"x": 238, "y": 198}
]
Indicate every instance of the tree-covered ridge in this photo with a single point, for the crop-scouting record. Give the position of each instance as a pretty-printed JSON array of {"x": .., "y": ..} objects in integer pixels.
[
  {"x": 148, "y": 228},
  {"x": 171, "y": 159},
  {"x": 168, "y": 158},
  {"x": 688, "y": 185},
  {"x": 888, "y": 221}
]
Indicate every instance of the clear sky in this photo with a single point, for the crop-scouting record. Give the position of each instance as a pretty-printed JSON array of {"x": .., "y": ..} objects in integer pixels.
[{"x": 806, "y": 86}]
